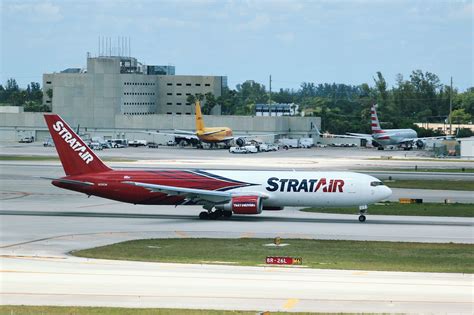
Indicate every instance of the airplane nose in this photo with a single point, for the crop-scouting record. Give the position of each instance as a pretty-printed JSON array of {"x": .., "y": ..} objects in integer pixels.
[{"x": 387, "y": 192}]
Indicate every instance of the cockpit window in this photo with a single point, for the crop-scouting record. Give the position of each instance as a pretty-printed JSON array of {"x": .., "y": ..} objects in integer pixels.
[{"x": 373, "y": 184}]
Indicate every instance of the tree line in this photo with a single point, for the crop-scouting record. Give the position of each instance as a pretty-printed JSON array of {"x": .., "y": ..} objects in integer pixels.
[
  {"x": 342, "y": 108},
  {"x": 30, "y": 98}
]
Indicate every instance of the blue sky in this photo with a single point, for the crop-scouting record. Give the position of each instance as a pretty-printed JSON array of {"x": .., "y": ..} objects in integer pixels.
[{"x": 294, "y": 41}]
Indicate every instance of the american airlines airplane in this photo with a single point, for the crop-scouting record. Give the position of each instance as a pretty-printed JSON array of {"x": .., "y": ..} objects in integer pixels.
[
  {"x": 380, "y": 138},
  {"x": 220, "y": 192}
]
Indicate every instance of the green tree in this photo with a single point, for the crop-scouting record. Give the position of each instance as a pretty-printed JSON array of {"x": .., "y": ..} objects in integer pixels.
[{"x": 459, "y": 116}]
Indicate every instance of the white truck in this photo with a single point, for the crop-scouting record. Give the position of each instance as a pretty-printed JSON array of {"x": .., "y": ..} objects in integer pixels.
[
  {"x": 244, "y": 149},
  {"x": 296, "y": 143},
  {"x": 288, "y": 143},
  {"x": 137, "y": 143},
  {"x": 306, "y": 142}
]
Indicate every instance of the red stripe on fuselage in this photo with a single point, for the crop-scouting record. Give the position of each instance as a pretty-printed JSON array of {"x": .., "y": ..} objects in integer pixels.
[{"x": 112, "y": 186}]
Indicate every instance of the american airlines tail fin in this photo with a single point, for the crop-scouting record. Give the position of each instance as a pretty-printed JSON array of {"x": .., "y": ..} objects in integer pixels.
[
  {"x": 374, "y": 120},
  {"x": 76, "y": 157},
  {"x": 199, "y": 120}
]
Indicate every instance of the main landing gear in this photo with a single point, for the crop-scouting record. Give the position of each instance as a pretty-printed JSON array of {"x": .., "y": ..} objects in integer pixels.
[
  {"x": 362, "y": 212},
  {"x": 214, "y": 215}
]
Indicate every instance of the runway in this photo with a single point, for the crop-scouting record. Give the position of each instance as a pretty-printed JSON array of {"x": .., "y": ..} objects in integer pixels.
[
  {"x": 74, "y": 281},
  {"x": 40, "y": 224}
]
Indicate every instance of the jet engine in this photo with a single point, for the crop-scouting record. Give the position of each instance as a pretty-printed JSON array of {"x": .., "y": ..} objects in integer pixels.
[
  {"x": 244, "y": 205},
  {"x": 420, "y": 144},
  {"x": 240, "y": 142}
]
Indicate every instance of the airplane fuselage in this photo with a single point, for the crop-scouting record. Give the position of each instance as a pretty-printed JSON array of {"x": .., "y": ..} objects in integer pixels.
[
  {"x": 214, "y": 134},
  {"x": 280, "y": 188},
  {"x": 394, "y": 136}
]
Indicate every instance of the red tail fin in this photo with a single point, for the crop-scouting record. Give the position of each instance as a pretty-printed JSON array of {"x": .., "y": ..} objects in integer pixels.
[
  {"x": 76, "y": 157},
  {"x": 374, "y": 120}
]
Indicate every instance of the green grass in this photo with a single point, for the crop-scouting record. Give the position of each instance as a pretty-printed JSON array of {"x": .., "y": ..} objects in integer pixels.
[
  {"x": 324, "y": 254},
  {"x": 425, "y": 170},
  {"x": 432, "y": 184},
  {"x": 415, "y": 209},
  {"x": 76, "y": 310},
  {"x": 419, "y": 159},
  {"x": 52, "y": 158}
]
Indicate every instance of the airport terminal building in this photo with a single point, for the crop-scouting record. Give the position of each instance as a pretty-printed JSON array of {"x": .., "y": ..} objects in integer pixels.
[{"x": 117, "y": 85}]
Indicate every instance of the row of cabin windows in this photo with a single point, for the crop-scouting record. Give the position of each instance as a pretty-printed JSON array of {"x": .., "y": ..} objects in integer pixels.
[
  {"x": 142, "y": 93},
  {"x": 138, "y": 83},
  {"x": 169, "y": 103},
  {"x": 139, "y": 103},
  {"x": 142, "y": 113},
  {"x": 187, "y": 84},
  {"x": 178, "y": 94},
  {"x": 178, "y": 113}
]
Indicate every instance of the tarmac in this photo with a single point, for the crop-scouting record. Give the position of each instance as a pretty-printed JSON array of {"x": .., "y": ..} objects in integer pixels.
[{"x": 41, "y": 224}]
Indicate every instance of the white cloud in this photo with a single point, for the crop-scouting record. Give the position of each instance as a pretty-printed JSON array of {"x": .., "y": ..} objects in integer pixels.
[
  {"x": 37, "y": 11},
  {"x": 258, "y": 22}
]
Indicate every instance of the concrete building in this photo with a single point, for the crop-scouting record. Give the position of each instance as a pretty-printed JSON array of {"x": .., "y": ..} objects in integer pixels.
[
  {"x": 276, "y": 109},
  {"x": 14, "y": 126},
  {"x": 116, "y": 85}
]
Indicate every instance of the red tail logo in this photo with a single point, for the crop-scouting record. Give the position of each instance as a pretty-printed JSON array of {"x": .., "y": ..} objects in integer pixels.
[{"x": 76, "y": 157}]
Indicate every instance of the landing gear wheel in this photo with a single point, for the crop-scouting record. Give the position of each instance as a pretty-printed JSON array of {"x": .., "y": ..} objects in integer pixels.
[
  {"x": 227, "y": 214},
  {"x": 362, "y": 218},
  {"x": 204, "y": 215}
]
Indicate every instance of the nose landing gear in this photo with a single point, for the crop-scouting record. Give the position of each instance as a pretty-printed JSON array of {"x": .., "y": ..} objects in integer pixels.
[{"x": 362, "y": 212}]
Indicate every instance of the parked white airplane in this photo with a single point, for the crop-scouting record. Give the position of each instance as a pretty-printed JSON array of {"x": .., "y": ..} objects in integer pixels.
[
  {"x": 380, "y": 138},
  {"x": 220, "y": 192}
]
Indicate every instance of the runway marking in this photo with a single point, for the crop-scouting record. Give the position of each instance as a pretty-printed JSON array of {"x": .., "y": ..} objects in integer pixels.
[
  {"x": 181, "y": 234},
  {"x": 32, "y": 257},
  {"x": 247, "y": 235},
  {"x": 148, "y": 275},
  {"x": 229, "y": 297},
  {"x": 290, "y": 303},
  {"x": 360, "y": 273},
  {"x": 97, "y": 205}
]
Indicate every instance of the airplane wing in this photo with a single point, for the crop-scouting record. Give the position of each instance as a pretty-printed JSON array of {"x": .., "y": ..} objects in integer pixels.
[
  {"x": 196, "y": 195},
  {"x": 69, "y": 181},
  {"x": 359, "y": 135},
  {"x": 256, "y": 136},
  {"x": 180, "y": 133}
]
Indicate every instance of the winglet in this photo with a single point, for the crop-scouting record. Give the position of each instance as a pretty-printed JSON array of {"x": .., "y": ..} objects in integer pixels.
[{"x": 76, "y": 157}]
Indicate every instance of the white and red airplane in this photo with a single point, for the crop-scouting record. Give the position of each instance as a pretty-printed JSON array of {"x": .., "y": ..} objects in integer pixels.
[
  {"x": 402, "y": 138},
  {"x": 220, "y": 192}
]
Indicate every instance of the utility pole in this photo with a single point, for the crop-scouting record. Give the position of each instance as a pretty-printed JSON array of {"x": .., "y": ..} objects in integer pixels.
[
  {"x": 451, "y": 107},
  {"x": 270, "y": 97}
]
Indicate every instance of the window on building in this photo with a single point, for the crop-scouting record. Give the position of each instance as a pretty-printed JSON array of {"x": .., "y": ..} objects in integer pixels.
[
  {"x": 178, "y": 113},
  {"x": 179, "y": 94},
  {"x": 48, "y": 82},
  {"x": 169, "y": 93},
  {"x": 207, "y": 84},
  {"x": 179, "y": 84},
  {"x": 168, "y": 113},
  {"x": 188, "y": 103},
  {"x": 198, "y": 84},
  {"x": 178, "y": 103},
  {"x": 188, "y": 84},
  {"x": 169, "y": 103},
  {"x": 187, "y": 94},
  {"x": 169, "y": 84},
  {"x": 188, "y": 113}
]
